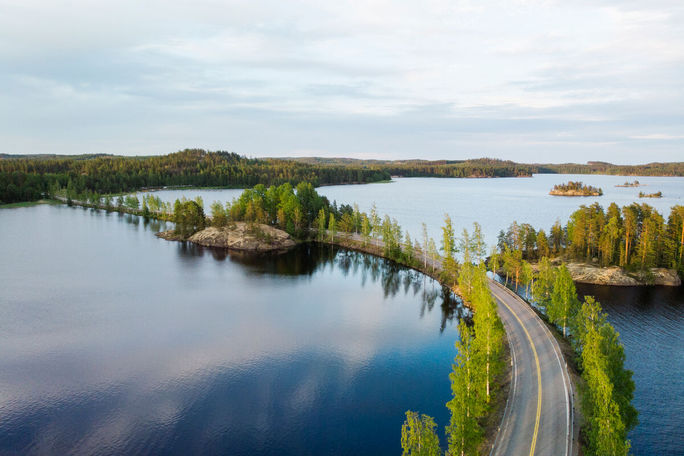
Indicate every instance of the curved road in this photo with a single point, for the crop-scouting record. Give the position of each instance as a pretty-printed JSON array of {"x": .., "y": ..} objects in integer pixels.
[{"x": 538, "y": 419}]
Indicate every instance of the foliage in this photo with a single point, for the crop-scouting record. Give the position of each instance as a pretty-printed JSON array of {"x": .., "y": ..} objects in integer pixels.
[
  {"x": 31, "y": 178},
  {"x": 635, "y": 237},
  {"x": 576, "y": 188},
  {"x": 189, "y": 217},
  {"x": 418, "y": 437}
]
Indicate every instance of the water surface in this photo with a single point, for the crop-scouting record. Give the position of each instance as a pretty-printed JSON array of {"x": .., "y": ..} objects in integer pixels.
[{"x": 116, "y": 342}]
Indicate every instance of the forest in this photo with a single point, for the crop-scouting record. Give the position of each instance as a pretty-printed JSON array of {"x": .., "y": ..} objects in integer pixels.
[
  {"x": 30, "y": 179},
  {"x": 634, "y": 237},
  {"x": 489, "y": 167}
]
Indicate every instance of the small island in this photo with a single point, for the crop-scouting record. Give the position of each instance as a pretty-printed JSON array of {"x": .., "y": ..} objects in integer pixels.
[
  {"x": 575, "y": 189},
  {"x": 631, "y": 184},
  {"x": 651, "y": 195}
]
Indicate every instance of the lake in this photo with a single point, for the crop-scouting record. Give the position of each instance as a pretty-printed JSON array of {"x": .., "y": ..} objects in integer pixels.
[
  {"x": 118, "y": 341},
  {"x": 493, "y": 203}
]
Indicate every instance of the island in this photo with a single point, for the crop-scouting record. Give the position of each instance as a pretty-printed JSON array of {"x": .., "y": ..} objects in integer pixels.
[
  {"x": 249, "y": 237},
  {"x": 631, "y": 184},
  {"x": 651, "y": 195},
  {"x": 575, "y": 189}
]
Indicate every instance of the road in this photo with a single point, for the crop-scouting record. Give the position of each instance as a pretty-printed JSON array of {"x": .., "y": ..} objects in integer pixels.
[{"x": 538, "y": 419}]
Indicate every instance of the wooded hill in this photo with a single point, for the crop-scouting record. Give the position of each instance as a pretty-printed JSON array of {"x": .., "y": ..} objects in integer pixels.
[
  {"x": 31, "y": 177},
  {"x": 489, "y": 167},
  {"x": 28, "y": 179}
]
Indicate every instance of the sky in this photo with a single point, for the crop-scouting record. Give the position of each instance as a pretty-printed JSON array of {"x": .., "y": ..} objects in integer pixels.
[{"x": 531, "y": 81}]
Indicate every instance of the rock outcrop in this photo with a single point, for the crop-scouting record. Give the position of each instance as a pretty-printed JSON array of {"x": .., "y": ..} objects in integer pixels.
[
  {"x": 573, "y": 193},
  {"x": 586, "y": 273},
  {"x": 239, "y": 236}
]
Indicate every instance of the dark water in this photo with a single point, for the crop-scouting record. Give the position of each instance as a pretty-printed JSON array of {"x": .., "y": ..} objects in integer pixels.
[
  {"x": 650, "y": 321},
  {"x": 116, "y": 342}
]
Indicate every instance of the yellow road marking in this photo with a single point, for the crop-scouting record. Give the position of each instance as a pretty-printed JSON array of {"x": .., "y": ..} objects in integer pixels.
[{"x": 539, "y": 384}]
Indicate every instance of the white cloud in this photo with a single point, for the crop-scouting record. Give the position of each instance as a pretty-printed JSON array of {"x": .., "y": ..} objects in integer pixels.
[{"x": 302, "y": 69}]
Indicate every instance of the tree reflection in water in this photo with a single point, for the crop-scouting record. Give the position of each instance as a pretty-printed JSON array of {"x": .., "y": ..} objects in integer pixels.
[{"x": 310, "y": 258}]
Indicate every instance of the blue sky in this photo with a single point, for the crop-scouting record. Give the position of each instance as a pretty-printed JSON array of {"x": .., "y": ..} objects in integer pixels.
[{"x": 544, "y": 81}]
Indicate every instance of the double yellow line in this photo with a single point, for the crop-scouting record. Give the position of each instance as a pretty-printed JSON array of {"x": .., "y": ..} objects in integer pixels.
[{"x": 539, "y": 382}]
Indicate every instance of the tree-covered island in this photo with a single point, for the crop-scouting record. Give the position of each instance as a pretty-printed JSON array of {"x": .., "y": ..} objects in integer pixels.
[
  {"x": 651, "y": 195},
  {"x": 630, "y": 184},
  {"x": 575, "y": 189}
]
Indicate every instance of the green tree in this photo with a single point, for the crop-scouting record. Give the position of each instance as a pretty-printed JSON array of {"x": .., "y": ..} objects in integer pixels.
[
  {"x": 542, "y": 287},
  {"x": 332, "y": 227},
  {"x": 425, "y": 246},
  {"x": 464, "y": 433},
  {"x": 542, "y": 244},
  {"x": 365, "y": 229},
  {"x": 606, "y": 430},
  {"x": 564, "y": 303},
  {"x": 449, "y": 264},
  {"x": 218, "y": 215},
  {"x": 132, "y": 202},
  {"x": 409, "y": 253},
  {"x": 489, "y": 332},
  {"x": 188, "y": 217},
  {"x": 526, "y": 276},
  {"x": 320, "y": 224},
  {"x": 418, "y": 437}
]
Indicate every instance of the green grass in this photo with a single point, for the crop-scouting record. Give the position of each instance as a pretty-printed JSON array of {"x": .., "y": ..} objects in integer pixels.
[{"x": 29, "y": 203}]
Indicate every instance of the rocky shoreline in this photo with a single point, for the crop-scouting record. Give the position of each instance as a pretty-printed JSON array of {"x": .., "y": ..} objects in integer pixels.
[
  {"x": 573, "y": 193},
  {"x": 616, "y": 276},
  {"x": 246, "y": 237}
]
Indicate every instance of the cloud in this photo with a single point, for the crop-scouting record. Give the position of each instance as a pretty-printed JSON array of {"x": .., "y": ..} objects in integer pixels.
[
  {"x": 658, "y": 136},
  {"x": 303, "y": 71}
]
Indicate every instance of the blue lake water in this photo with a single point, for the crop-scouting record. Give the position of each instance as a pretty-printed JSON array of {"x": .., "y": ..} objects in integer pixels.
[
  {"x": 114, "y": 341},
  {"x": 493, "y": 203},
  {"x": 117, "y": 342}
]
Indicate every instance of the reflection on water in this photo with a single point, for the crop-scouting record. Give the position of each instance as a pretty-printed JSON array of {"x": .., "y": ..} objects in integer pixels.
[
  {"x": 117, "y": 342},
  {"x": 650, "y": 321}
]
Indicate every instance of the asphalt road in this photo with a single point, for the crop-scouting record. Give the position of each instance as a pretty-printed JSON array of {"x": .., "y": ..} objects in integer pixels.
[{"x": 538, "y": 419}]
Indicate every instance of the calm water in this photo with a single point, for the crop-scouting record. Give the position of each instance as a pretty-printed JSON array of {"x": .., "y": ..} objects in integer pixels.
[
  {"x": 650, "y": 320},
  {"x": 116, "y": 342},
  {"x": 494, "y": 203}
]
